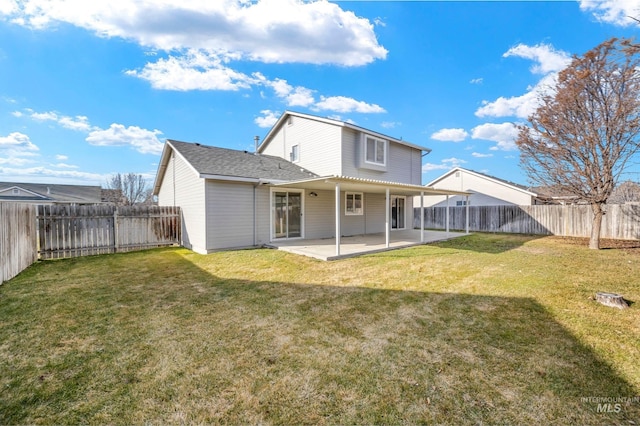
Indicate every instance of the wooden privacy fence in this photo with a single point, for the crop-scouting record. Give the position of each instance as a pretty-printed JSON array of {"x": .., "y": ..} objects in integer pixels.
[
  {"x": 18, "y": 247},
  {"x": 619, "y": 222},
  {"x": 71, "y": 231}
]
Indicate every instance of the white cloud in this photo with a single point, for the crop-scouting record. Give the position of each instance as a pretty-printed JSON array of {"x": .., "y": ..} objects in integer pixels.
[
  {"x": 317, "y": 32},
  {"x": 40, "y": 173},
  {"x": 446, "y": 164},
  {"x": 344, "y": 104},
  {"x": 519, "y": 106},
  {"x": 480, "y": 155},
  {"x": 16, "y": 161},
  {"x": 293, "y": 96},
  {"x": 450, "y": 135},
  {"x": 390, "y": 124},
  {"x": 476, "y": 81},
  {"x": 546, "y": 58},
  {"x": 17, "y": 114},
  {"x": 548, "y": 61},
  {"x": 195, "y": 70},
  {"x": 142, "y": 140},
  {"x": 61, "y": 157},
  {"x": 616, "y": 12},
  {"x": 8, "y": 7},
  {"x": 268, "y": 118},
  {"x": 78, "y": 123},
  {"x": 64, "y": 166},
  {"x": 503, "y": 134},
  {"x": 17, "y": 142}
]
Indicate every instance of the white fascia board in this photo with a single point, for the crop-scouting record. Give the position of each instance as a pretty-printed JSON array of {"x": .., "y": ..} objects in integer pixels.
[{"x": 260, "y": 181}]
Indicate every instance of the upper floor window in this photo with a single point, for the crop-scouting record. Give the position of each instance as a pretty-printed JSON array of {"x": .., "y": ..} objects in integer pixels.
[
  {"x": 375, "y": 151},
  {"x": 295, "y": 153}
]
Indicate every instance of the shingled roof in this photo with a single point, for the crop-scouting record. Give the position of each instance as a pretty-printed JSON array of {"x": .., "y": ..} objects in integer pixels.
[{"x": 214, "y": 161}]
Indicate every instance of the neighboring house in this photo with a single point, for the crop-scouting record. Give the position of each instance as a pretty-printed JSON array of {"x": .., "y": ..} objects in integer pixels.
[
  {"x": 485, "y": 190},
  {"x": 310, "y": 178},
  {"x": 45, "y": 193}
]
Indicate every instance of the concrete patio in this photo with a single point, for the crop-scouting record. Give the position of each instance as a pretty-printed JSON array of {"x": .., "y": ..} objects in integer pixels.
[{"x": 325, "y": 249}]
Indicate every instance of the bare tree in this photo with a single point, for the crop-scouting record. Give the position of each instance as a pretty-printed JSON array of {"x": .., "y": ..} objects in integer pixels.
[
  {"x": 128, "y": 189},
  {"x": 583, "y": 135},
  {"x": 627, "y": 192}
]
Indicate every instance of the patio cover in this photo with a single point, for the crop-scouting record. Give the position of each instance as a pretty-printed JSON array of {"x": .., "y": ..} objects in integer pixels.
[{"x": 344, "y": 183}]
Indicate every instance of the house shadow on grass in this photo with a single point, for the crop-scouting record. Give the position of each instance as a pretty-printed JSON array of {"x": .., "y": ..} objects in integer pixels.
[{"x": 195, "y": 347}]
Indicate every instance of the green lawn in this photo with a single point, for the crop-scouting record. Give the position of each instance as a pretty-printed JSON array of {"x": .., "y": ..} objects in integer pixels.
[{"x": 480, "y": 329}]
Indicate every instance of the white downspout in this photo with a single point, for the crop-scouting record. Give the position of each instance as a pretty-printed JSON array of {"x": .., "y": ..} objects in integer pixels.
[
  {"x": 337, "y": 219},
  {"x": 386, "y": 224},
  {"x": 422, "y": 216}
]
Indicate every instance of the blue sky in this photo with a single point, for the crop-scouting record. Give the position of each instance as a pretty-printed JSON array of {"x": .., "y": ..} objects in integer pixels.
[{"x": 93, "y": 88}]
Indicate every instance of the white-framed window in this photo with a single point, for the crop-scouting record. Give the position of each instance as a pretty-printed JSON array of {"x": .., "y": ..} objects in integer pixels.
[
  {"x": 295, "y": 153},
  {"x": 375, "y": 151},
  {"x": 461, "y": 203},
  {"x": 353, "y": 203}
]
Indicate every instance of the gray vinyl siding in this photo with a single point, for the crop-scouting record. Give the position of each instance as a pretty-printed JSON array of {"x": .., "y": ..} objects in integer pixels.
[
  {"x": 182, "y": 187},
  {"x": 403, "y": 163},
  {"x": 264, "y": 215},
  {"x": 375, "y": 214},
  {"x": 230, "y": 219},
  {"x": 318, "y": 144},
  {"x": 319, "y": 215}
]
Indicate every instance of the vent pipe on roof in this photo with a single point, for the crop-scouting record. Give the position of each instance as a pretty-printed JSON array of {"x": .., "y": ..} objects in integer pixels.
[{"x": 256, "y": 139}]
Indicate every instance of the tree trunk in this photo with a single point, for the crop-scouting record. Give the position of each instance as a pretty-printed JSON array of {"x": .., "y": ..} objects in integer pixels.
[{"x": 594, "y": 241}]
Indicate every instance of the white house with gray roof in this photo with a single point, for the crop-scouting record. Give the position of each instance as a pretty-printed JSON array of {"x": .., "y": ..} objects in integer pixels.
[
  {"x": 310, "y": 178},
  {"x": 47, "y": 193},
  {"x": 484, "y": 190}
]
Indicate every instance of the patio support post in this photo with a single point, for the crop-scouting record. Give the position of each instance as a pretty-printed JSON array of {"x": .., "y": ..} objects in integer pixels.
[
  {"x": 447, "y": 214},
  {"x": 422, "y": 216},
  {"x": 337, "y": 219},
  {"x": 467, "y": 212},
  {"x": 386, "y": 221}
]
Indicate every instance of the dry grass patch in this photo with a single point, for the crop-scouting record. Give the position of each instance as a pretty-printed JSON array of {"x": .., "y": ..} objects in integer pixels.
[{"x": 486, "y": 328}]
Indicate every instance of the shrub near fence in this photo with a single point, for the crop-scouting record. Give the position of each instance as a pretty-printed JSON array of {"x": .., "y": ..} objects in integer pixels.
[
  {"x": 18, "y": 247},
  {"x": 619, "y": 222},
  {"x": 71, "y": 231}
]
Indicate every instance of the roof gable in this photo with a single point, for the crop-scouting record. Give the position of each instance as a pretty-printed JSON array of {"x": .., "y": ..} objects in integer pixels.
[
  {"x": 9, "y": 192},
  {"x": 52, "y": 192},
  {"x": 511, "y": 185},
  {"x": 332, "y": 122},
  {"x": 211, "y": 162}
]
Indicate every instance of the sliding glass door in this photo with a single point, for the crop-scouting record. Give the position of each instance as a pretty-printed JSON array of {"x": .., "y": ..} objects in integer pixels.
[
  {"x": 398, "y": 212},
  {"x": 287, "y": 214}
]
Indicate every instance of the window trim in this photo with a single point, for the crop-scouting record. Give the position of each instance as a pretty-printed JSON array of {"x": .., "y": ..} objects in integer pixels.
[
  {"x": 376, "y": 140},
  {"x": 295, "y": 148},
  {"x": 354, "y": 211}
]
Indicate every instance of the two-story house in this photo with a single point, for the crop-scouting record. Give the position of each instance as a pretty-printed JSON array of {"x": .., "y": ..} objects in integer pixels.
[{"x": 310, "y": 178}]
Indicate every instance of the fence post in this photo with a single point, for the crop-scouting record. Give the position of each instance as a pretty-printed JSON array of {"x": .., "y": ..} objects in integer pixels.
[{"x": 115, "y": 230}]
